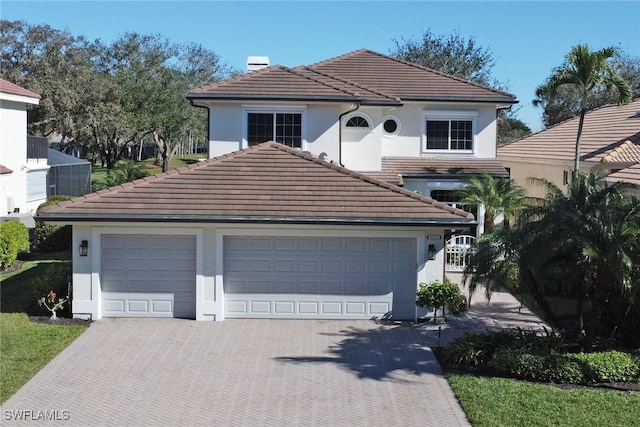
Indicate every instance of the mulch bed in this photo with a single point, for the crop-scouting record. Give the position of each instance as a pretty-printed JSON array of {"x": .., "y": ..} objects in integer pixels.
[{"x": 59, "y": 321}]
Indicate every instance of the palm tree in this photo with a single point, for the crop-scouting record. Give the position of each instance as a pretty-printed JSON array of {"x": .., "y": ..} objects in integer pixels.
[
  {"x": 498, "y": 195},
  {"x": 592, "y": 232},
  {"x": 589, "y": 72}
]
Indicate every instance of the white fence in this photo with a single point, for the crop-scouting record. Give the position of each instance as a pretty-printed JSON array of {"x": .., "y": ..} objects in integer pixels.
[{"x": 458, "y": 252}]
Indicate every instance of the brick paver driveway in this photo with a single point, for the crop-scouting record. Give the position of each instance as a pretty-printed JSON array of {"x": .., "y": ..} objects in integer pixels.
[{"x": 135, "y": 372}]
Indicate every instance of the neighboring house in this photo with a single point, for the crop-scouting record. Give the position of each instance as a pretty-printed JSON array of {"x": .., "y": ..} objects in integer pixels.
[
  {"x": 312, "y": 226},
  {"x": 610, "y": 139},
  {"x": 68, "y": 176},
  {"x": 23, "y": 159}
]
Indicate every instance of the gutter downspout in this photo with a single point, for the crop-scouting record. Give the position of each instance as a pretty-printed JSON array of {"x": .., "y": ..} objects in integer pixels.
[
  {"x": 340, "y": 130},
  {"x": 208, "y": 123}
]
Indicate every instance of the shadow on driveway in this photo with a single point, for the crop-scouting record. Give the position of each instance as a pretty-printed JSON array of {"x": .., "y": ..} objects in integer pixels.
[{"x": 378, "y": 353}]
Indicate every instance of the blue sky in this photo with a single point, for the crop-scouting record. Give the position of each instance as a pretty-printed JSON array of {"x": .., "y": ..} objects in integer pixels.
[{"x": 526, "y": 38}]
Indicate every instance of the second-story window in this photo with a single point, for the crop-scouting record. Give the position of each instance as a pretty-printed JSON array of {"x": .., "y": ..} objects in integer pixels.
[
  {"x": 444, "y": 131},
  {"x": 285, "y": 128}
]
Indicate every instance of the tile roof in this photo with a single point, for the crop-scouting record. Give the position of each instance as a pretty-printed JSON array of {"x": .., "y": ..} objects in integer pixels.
[
  {"x": 610, "y": 133},
  {"x": 14, "y": 89},
  {"x": 445, "y": 167},
  {"x": 630, "y": 174},
  {"x": 267, "y": 182},
  {"x": 5, "y": 170},
  {"x": 362, "y": 75}
]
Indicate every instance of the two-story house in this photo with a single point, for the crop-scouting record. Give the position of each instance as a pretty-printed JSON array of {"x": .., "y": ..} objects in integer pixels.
[
  {"x": 23, "y": 158},
  {"x": 310, "y": 226}
]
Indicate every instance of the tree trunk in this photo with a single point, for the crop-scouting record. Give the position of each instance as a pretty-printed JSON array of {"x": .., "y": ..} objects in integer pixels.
[{"x": 576, "y": 161}]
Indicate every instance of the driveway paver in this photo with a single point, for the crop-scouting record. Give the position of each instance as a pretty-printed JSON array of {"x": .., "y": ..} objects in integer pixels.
[{"x": 137, "y": 372}]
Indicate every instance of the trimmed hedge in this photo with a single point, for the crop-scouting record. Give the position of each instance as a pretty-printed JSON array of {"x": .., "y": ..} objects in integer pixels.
[
  {"x": 52, "y": 237},
  {"x": 528, "y": 356},
  {"x": 14, "y": 240}
]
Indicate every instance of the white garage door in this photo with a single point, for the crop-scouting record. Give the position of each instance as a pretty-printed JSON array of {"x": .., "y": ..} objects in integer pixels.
[
  {"x": 317, "y": 277},
  {"x": 148, "y": 276}
]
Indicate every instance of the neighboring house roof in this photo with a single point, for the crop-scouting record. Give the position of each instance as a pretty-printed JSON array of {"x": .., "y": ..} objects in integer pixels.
[
  {"x": 269, "y": 182},
  {"x": 611, "y": 133},
  {"x": 13, "y": 89},
  {"x": 445, "y": 167},
  {"x": 630, "y": 174},
  {"x": 363, "y": 75},
  {"x": 5, "y": 170},
  {"x": 57, "y": 158}
]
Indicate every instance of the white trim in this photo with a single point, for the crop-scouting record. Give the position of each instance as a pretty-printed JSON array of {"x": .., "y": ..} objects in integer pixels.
[
  {"x": 396, "y": 119},
  {"x": 23, "y": 99},
  {"x": 353, "y": 114},
  {"x": 449, "y": 115}
]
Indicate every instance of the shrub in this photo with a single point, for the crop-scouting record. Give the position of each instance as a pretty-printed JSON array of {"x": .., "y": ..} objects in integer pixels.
[
  {"x": 54, "y": 278},
  {"x": 476, "y": 349},
  {"x": 14, "y": 240},
  {"x": 609, "y": 366},
  {"x": 52, "y": 237},
  {"x": 437, "y": 295},
  {"x": 555, "y": 368}
]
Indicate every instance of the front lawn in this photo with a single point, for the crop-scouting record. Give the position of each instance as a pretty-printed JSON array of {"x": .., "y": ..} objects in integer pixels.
[
  {"x": 26, "y": 347},
  {"x": 493, "y": 402}
]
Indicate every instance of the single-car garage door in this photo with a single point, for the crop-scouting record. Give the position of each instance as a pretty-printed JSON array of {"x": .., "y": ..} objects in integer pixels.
[
  {"x": 148, "y": 276},
  {"x": 319, "y": 277}
]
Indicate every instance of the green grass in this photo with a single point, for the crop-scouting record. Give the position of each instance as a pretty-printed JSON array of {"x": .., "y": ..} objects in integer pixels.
[
  {"x": 504, "y": 402},
  {"x": 26, "y": 347},
  {"x": 20, "y": 289},
  {"x": 98, "y": 173}
]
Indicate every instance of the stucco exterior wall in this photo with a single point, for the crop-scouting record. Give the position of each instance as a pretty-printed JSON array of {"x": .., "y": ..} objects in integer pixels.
[
  {"x": 87, "y": 302},
  {"x": 553, "y": 171}
]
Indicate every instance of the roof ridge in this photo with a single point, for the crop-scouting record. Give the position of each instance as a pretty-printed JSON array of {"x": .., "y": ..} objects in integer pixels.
[
  {"x": 296, "y": 72},
  {"x": 358, "y": 85},
  {"x": 344, "y": 55}
]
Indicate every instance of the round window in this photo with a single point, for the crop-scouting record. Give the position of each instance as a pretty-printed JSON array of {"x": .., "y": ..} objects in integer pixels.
[{"x": 390, "y": 126}]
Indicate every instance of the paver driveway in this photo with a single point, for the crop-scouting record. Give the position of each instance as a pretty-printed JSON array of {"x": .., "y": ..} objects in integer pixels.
[{"x": 135, "y": 372}]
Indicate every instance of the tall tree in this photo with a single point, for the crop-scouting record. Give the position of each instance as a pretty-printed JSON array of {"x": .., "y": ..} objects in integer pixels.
[
  {"x": 463, "y": 58},
  {"x": 566, "y": 102},
  {"x": 588, "y": 72}
]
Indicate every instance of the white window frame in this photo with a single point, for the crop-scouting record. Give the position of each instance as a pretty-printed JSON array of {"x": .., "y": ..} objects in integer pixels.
[
  {"x": 357, "y": 129},
  {"x": 449, "y": 115},
  {"x": 289, "y": 109},
  {"x": 398, "y": 124}
]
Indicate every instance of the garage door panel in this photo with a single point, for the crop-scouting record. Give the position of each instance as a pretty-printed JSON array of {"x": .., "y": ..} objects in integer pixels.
[
  {"x": 148, "y": 276},
  {"x": 319, "y": 277}
]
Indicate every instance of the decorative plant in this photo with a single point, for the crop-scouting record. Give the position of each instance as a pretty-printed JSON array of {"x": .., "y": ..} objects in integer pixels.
[
  {"x": 53, "y": 303},
  {"x": 437, "y": 295}
]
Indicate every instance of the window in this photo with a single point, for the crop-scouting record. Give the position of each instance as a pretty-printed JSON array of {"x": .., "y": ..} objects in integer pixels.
[
  {"x": 285, "y": 128},
  {"x": 391, "y": 126},
  {"x": 451, "y": 198},
  {"x": 357, "y": 122},
  {"x": 449, "y": 130}
]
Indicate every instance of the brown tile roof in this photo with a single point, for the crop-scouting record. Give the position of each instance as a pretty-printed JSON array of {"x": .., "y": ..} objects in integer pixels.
[
  {"x": 5, "y": 170},
  {"x": 363, "y": 75},
  {"x": 608, "y": 132},
  {"x": 267, "y": 182},
  {"x": 14, "y": 89},
  {"x": 448, "y": 167},
  {"x": 630, "y": 174}
]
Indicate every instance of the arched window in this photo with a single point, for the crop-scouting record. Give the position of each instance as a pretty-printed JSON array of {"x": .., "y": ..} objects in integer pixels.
[{"x": 357, "y": 122}]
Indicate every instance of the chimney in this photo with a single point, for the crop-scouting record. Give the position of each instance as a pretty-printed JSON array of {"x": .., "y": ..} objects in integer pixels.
[{"x": 255, "y": 63}]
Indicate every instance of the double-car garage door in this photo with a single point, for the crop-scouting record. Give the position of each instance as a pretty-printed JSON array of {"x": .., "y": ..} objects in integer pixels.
[
  {"x": 319, "y": 277},
  {"x": 264, "y": 276}
]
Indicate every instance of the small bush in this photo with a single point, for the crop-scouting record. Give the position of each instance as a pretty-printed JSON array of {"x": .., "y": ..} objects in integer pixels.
[
  {"x": 437, "y": 295},
  {"x": 476, "y": 349},
  {"x": 14, "y": 240},
  {"x": 555, "y": 368},
  {"x": 52, "y": 237},
  {"x": 609, "y": 366}
]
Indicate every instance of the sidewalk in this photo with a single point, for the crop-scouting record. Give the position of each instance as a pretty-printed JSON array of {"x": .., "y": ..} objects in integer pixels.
[{"x": 502, "y": 311}]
